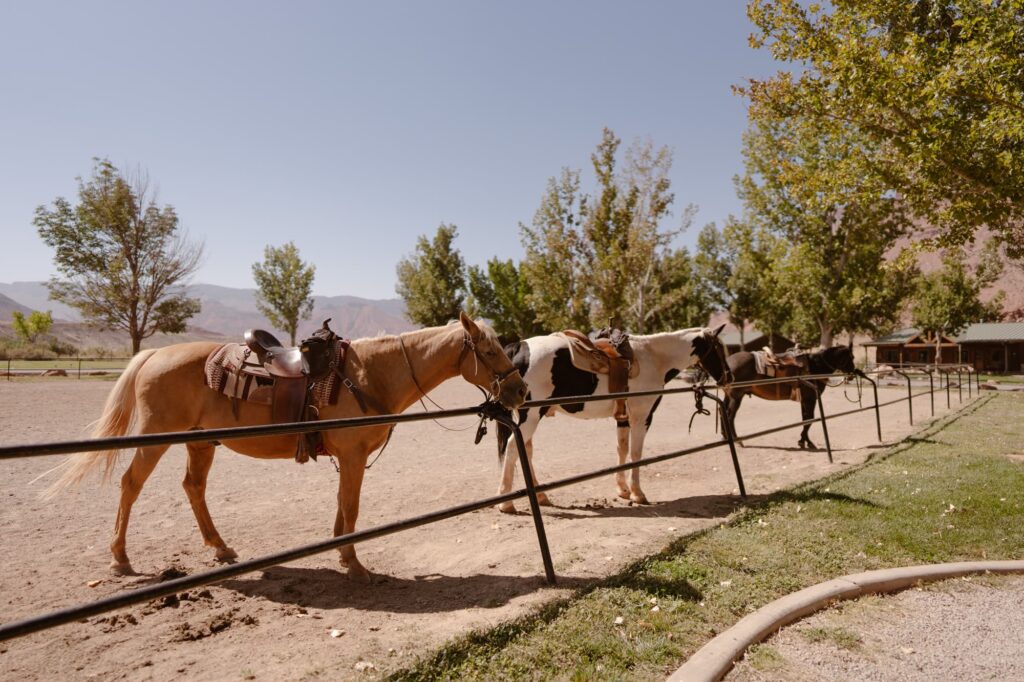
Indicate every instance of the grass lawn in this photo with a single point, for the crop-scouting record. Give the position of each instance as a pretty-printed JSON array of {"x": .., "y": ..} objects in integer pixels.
[
  {"x": 951, "y": 492},
  {"x": 1004, "y": 378}
]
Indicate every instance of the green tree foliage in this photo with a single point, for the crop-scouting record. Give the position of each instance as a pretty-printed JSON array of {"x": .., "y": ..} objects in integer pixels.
[
  {"x": 933, "y": 89},
  {"x": 284, "y": 287},
  {"x": 30, "y": 328},
  {"x": 501, "y": 294},
  {"x": 808, "y": 180},
  {"x": 557, "y": 260},
  {"x": 432, "y": 281},
  {"x": 680, "y": 301},
  {"x": 737, "y": 266},
  {"x": 122, "y": 258},
  {"x": 947, "y": 300},
  {"x": 591, "y": 260}
]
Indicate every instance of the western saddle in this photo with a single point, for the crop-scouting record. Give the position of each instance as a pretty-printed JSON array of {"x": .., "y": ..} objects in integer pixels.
[
  {"x": 606, "y": 351},
  {"x": 292, "y": 373}
]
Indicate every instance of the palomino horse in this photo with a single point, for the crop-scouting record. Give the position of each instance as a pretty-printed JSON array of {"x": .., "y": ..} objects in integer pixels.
[
  {"x": 545, "y": 363},
  {"x": 827, "y": 361},
  {"x": 163, "y": 390}
]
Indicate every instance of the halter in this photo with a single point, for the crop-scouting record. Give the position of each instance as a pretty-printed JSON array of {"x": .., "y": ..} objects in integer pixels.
[
  {"x": 719, "y": 348},
  {"x": 498, "y": 378}
]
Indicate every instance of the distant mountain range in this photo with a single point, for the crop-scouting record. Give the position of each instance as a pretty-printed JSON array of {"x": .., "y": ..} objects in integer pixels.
[{"x": 226, "y": 313}]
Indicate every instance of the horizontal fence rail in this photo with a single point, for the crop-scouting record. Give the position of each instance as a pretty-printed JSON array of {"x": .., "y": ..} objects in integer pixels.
[{"x": 487, "y": 410}]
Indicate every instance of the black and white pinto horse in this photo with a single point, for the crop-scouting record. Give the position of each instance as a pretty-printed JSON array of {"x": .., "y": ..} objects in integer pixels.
[
  {"x": 743, "y": 367},
  {"x": 545, "y": 364}
]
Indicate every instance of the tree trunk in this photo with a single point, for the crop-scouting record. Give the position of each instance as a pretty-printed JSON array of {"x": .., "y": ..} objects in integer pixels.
[
  {"x": 743, "y": 344},
  {"x": 825, "y": 341},
  {"x": 136, "y": 343}
]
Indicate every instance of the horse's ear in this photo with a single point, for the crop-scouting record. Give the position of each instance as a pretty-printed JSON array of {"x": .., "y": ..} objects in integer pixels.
[
  {"x": 469, "y": 325},
  {"x": 718, "y": 330}
]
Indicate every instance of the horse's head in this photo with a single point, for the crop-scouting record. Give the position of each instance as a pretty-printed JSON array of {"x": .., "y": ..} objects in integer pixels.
[
  {"x": 484, "y": 363},
  {"x": 710, "y": 352},
  {"x": 839, "y": 359}
]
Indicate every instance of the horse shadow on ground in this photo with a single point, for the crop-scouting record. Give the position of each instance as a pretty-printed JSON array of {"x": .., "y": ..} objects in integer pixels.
[
  {"x": 324, "y": 588},
  {"x": 695, "y": 507}
]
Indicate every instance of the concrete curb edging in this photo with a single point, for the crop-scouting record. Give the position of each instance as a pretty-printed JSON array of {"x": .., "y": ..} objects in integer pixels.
[{"x": 712, "y": 661}]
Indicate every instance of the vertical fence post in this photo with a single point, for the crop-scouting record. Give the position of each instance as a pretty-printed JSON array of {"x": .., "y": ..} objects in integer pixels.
[
  {"x": 931, "y": 388},
  {"x": 960, "y": 383},
  {"x": 531, "y": 493},
  {"x": 910, "y": 395},
  {"x": 8, "y": 369},
  {"x": 79, "y": 368},
  {"x": 878, "y": 412},
  {"x": 728, "y": 431},
  {"x": 949, "y": 405}
]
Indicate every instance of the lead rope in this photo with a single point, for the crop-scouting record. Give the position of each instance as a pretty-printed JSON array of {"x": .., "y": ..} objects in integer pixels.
[{"x": 698, "y": 398}]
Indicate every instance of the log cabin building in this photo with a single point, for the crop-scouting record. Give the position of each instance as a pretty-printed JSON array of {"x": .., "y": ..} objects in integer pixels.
[{"x": 986, "y": 346}]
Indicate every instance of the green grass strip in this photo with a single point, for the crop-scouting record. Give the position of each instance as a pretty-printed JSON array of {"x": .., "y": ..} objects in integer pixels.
[{"x": 949, "y": 493}]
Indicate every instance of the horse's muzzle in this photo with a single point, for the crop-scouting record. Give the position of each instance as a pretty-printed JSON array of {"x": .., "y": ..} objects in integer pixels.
[{"x": 511, "y": 390}]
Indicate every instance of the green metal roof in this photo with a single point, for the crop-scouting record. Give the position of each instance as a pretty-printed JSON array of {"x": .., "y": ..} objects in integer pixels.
[
  {"x": 992, "y": 331},
  {"x": 898, "y": 337}
]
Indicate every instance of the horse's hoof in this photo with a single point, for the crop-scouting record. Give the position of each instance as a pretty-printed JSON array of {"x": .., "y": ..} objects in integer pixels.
[
  {"x": 800, "y": 444},
  {"x": 226, "y": 554},
  {"x": 358, "y": 573},
  {"x": 122, "y": 568},
  {"x": 624, "y": 493},
  {"x": 542, "y": 500},
  {"x": 507, "y": 508},
  {"x": 638, "y": 498}
]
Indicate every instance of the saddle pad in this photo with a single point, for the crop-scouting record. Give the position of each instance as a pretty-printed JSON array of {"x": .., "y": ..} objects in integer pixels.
[
  {"x": 222, "y": 375},
  {"x": 590, "y": 359}
]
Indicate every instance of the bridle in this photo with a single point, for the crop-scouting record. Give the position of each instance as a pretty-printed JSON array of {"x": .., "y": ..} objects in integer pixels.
[
  {"x": 498, "y": 378},
  {"x": 719, "y": 349}
]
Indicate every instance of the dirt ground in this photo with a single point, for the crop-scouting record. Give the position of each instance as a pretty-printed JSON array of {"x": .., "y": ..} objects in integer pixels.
[
  {"x": 964, "y": 629},
  {"x": 431, "y": 583}
]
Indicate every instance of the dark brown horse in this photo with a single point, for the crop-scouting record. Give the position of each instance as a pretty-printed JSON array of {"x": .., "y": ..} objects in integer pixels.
[{"x": 744, "y": 368}]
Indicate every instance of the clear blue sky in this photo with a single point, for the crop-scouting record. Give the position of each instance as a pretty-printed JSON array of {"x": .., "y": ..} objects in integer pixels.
[{"x": 351, "y": 128}]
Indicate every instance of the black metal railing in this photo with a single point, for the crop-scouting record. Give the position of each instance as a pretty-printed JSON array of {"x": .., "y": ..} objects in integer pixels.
[{"x": 486, "y": 410}]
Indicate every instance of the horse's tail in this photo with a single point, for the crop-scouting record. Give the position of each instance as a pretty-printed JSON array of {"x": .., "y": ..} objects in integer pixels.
[
  {"x": 503, "y": 433},
  {"x": 117, "y": 420}
]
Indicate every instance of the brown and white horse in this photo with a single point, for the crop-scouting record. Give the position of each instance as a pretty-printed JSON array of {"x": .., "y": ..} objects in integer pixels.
[
  {"x": 545, "y": 362},
  {"x": 163, "y": 390}
]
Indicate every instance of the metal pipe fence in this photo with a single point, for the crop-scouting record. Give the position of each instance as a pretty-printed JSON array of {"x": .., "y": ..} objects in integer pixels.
[{"x": 487, "y": 410}]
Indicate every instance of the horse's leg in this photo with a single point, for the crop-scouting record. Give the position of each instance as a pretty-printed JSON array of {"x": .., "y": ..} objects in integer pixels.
[
  {"x": 200, "y": 459},
  {"x": 622, "y": 436},
  {"x": 807, "y": 400},
  {"x": 733, "y": 405},
  {"x": 350, "y": 483},
  {"x": 508, "y": 468},
  {"x": 542, "y": 498},
  {"x": 637, "y": 433},
  {"x": 134, "y": 478}
]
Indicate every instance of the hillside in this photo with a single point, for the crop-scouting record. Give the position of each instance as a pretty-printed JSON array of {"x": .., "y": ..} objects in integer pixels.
[{"x": 226, "y": 313}]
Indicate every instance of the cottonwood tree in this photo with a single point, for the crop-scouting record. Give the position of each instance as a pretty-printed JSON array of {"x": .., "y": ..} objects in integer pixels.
[
  {"x": 284, "y": 287},
  {"x": 30, "y": 328},
  {"x": 501, "y": 294},
  {"x": 122, "y": 260},
  {"x": 946, "y": 300},
  {"x": 557, "y": 261},
  {"x": 432, "y": 281},
  {"x": 808, "y": 180},
  {"x": 933, "y": 89},
  {"x": 594, "y": 260}
]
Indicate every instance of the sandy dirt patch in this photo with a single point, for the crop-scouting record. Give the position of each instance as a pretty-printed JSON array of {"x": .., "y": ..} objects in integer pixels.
[
  {"x": 965, "y": 629},
  {"x": 432, "y": 583}
]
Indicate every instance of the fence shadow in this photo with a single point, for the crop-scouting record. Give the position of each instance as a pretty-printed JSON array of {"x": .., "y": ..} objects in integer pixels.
[{"x": 324, "y": 588}]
